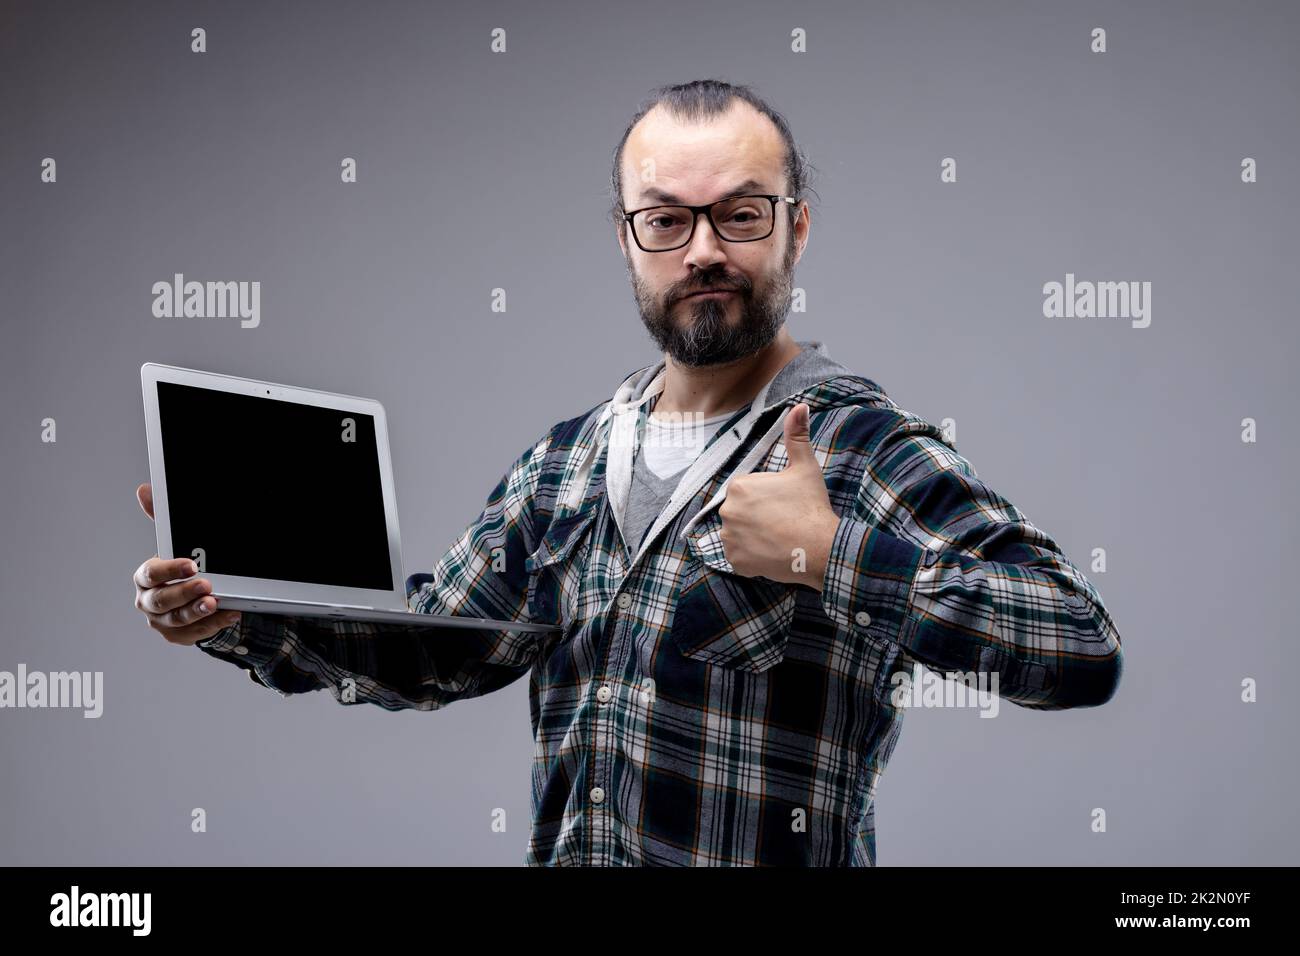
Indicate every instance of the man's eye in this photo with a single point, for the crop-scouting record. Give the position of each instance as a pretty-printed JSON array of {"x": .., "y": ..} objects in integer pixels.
[{"x": 661, "y": 222}]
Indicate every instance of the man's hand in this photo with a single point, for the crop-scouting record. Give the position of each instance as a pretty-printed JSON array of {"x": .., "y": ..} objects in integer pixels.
[
  {"x": 183, "y": 612},
  {"x": 780, "y": 524}
]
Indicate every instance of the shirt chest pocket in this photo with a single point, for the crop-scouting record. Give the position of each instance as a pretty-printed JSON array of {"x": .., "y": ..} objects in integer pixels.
[
  {"x": 557, "y": 569},
  {"x": 726, "y": 619}
]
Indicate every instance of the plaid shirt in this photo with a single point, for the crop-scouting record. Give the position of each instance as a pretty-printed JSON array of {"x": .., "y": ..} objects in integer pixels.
[{"x": 689, "y": 715}]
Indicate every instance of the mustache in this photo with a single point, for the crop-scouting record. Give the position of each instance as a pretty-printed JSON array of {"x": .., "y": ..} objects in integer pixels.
[{"x": 716, "y": 285}]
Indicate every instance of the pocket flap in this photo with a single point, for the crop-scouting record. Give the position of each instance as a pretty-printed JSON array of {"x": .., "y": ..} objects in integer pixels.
[
  {"x": 562, "y": 535},
  {"x": 725, "y": 618}
]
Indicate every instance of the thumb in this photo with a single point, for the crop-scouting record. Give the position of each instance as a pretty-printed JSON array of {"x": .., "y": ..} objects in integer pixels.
[
  {"x": 797, "y": 439},
  {"x": 144, "y": 495}
]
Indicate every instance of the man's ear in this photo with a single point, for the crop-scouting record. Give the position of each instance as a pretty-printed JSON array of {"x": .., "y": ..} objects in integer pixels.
[
  {"x": 802, "y": 230},
  {"x": 622, "y": 239}
]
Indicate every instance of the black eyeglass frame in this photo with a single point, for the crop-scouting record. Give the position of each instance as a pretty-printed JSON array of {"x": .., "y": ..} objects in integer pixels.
[{"x": 707, "y": 210}]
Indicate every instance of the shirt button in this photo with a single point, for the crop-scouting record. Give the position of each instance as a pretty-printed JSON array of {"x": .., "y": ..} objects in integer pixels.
[
  {"x": 240, "y": 649},
  {"x": 863, "y": 618},
  {"x": 604, "y": 694},
  {"x": 597, "y": 795},
  {"x": 625, "y": 600}
]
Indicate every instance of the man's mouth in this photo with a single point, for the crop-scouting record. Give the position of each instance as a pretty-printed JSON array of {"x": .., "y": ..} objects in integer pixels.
[{"x": 712, "y": 292}]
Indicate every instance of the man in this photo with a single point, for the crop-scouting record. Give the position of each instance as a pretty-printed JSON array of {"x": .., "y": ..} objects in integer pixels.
[{"x": 743, "y": 546}]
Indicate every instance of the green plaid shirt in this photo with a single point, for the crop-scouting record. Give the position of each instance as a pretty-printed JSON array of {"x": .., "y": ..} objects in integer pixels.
[{"x": 686, "y": 714}]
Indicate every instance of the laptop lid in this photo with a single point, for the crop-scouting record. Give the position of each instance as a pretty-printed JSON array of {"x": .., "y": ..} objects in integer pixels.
[{"x": 276, "y": 491}]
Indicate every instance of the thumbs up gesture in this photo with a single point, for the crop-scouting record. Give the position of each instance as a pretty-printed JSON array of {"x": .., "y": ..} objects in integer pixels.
[{"x": 780, "y": 524}]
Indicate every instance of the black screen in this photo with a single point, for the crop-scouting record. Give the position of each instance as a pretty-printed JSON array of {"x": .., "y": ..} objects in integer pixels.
[{"x": 273, "y": 489}]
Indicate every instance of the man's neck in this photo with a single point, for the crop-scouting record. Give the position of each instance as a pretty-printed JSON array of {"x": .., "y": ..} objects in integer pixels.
[{"x": 716, "y": 389}]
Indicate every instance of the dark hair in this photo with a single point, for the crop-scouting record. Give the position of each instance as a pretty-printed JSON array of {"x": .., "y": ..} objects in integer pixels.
[{"x": 701, "y": 100}]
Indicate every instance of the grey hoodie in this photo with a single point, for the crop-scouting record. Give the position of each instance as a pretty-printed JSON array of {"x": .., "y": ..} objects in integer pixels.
[
  {"x": 648, "y": 494},
  {"x": 810, "y": 367}
]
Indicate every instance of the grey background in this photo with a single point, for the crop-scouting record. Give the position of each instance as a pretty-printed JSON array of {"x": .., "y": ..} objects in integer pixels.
[{"x": 225, "y": 166}]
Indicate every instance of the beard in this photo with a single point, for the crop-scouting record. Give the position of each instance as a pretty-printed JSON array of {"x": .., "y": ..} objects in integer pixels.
[{"x": 704, "y": 336}]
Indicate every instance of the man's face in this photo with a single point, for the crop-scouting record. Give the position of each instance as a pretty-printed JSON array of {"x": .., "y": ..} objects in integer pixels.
[{"x": 740, "y": 151}]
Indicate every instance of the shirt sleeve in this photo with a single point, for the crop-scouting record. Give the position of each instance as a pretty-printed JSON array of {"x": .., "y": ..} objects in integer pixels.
[
  {"x": 406, "y": 667},
  {"x": 933, "y": 559}
]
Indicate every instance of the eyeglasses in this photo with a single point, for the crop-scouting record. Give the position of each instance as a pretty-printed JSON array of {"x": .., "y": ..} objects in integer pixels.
[{"x": 737, "y": 219}]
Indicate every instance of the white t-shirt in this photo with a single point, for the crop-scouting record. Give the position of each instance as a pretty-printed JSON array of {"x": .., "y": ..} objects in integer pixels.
[{"x": 671, "y": 442}]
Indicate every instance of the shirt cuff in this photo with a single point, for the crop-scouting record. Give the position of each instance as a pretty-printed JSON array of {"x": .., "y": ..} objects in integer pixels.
[
  {"x": 868, "y": 582},
  {"x": 254, "y": 640}
]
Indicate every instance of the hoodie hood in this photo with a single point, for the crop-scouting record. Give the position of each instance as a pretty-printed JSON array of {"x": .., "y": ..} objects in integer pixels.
[
  {"x": 812, "y": 366},
  {"x": 614, "y": 429}
]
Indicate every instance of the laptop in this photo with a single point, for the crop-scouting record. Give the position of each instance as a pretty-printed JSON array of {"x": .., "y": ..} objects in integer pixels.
[{"x": 284, "y": 498}]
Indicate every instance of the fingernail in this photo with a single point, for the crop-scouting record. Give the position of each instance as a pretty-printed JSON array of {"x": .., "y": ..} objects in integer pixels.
[
  {"x": 191, "y": 568},
  {"x": 203, "y": 607}
]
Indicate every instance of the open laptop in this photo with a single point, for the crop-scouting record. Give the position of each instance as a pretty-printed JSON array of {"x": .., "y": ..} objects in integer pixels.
[{"x": 283, "y": 496}]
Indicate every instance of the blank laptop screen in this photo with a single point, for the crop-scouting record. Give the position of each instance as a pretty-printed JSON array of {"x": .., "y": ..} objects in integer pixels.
[{"x": 274, "y": 489}]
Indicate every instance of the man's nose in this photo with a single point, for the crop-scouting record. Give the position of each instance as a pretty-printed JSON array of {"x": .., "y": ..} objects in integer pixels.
[{"x": 705, "y": 247}]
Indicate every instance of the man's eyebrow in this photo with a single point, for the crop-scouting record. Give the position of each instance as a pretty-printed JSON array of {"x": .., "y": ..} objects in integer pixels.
[{"x": 747, "y": 187}]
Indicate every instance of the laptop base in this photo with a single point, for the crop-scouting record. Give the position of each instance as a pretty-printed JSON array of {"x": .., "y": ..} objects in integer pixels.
[{"x": 281, "y": 608}]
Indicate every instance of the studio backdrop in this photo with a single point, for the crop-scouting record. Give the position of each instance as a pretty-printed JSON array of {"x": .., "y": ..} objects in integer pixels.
[{"x": 418, "y": 195}]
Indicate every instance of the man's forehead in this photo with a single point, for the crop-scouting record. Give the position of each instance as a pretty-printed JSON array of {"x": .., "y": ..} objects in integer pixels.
[{"x": 671, "y": 160}]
